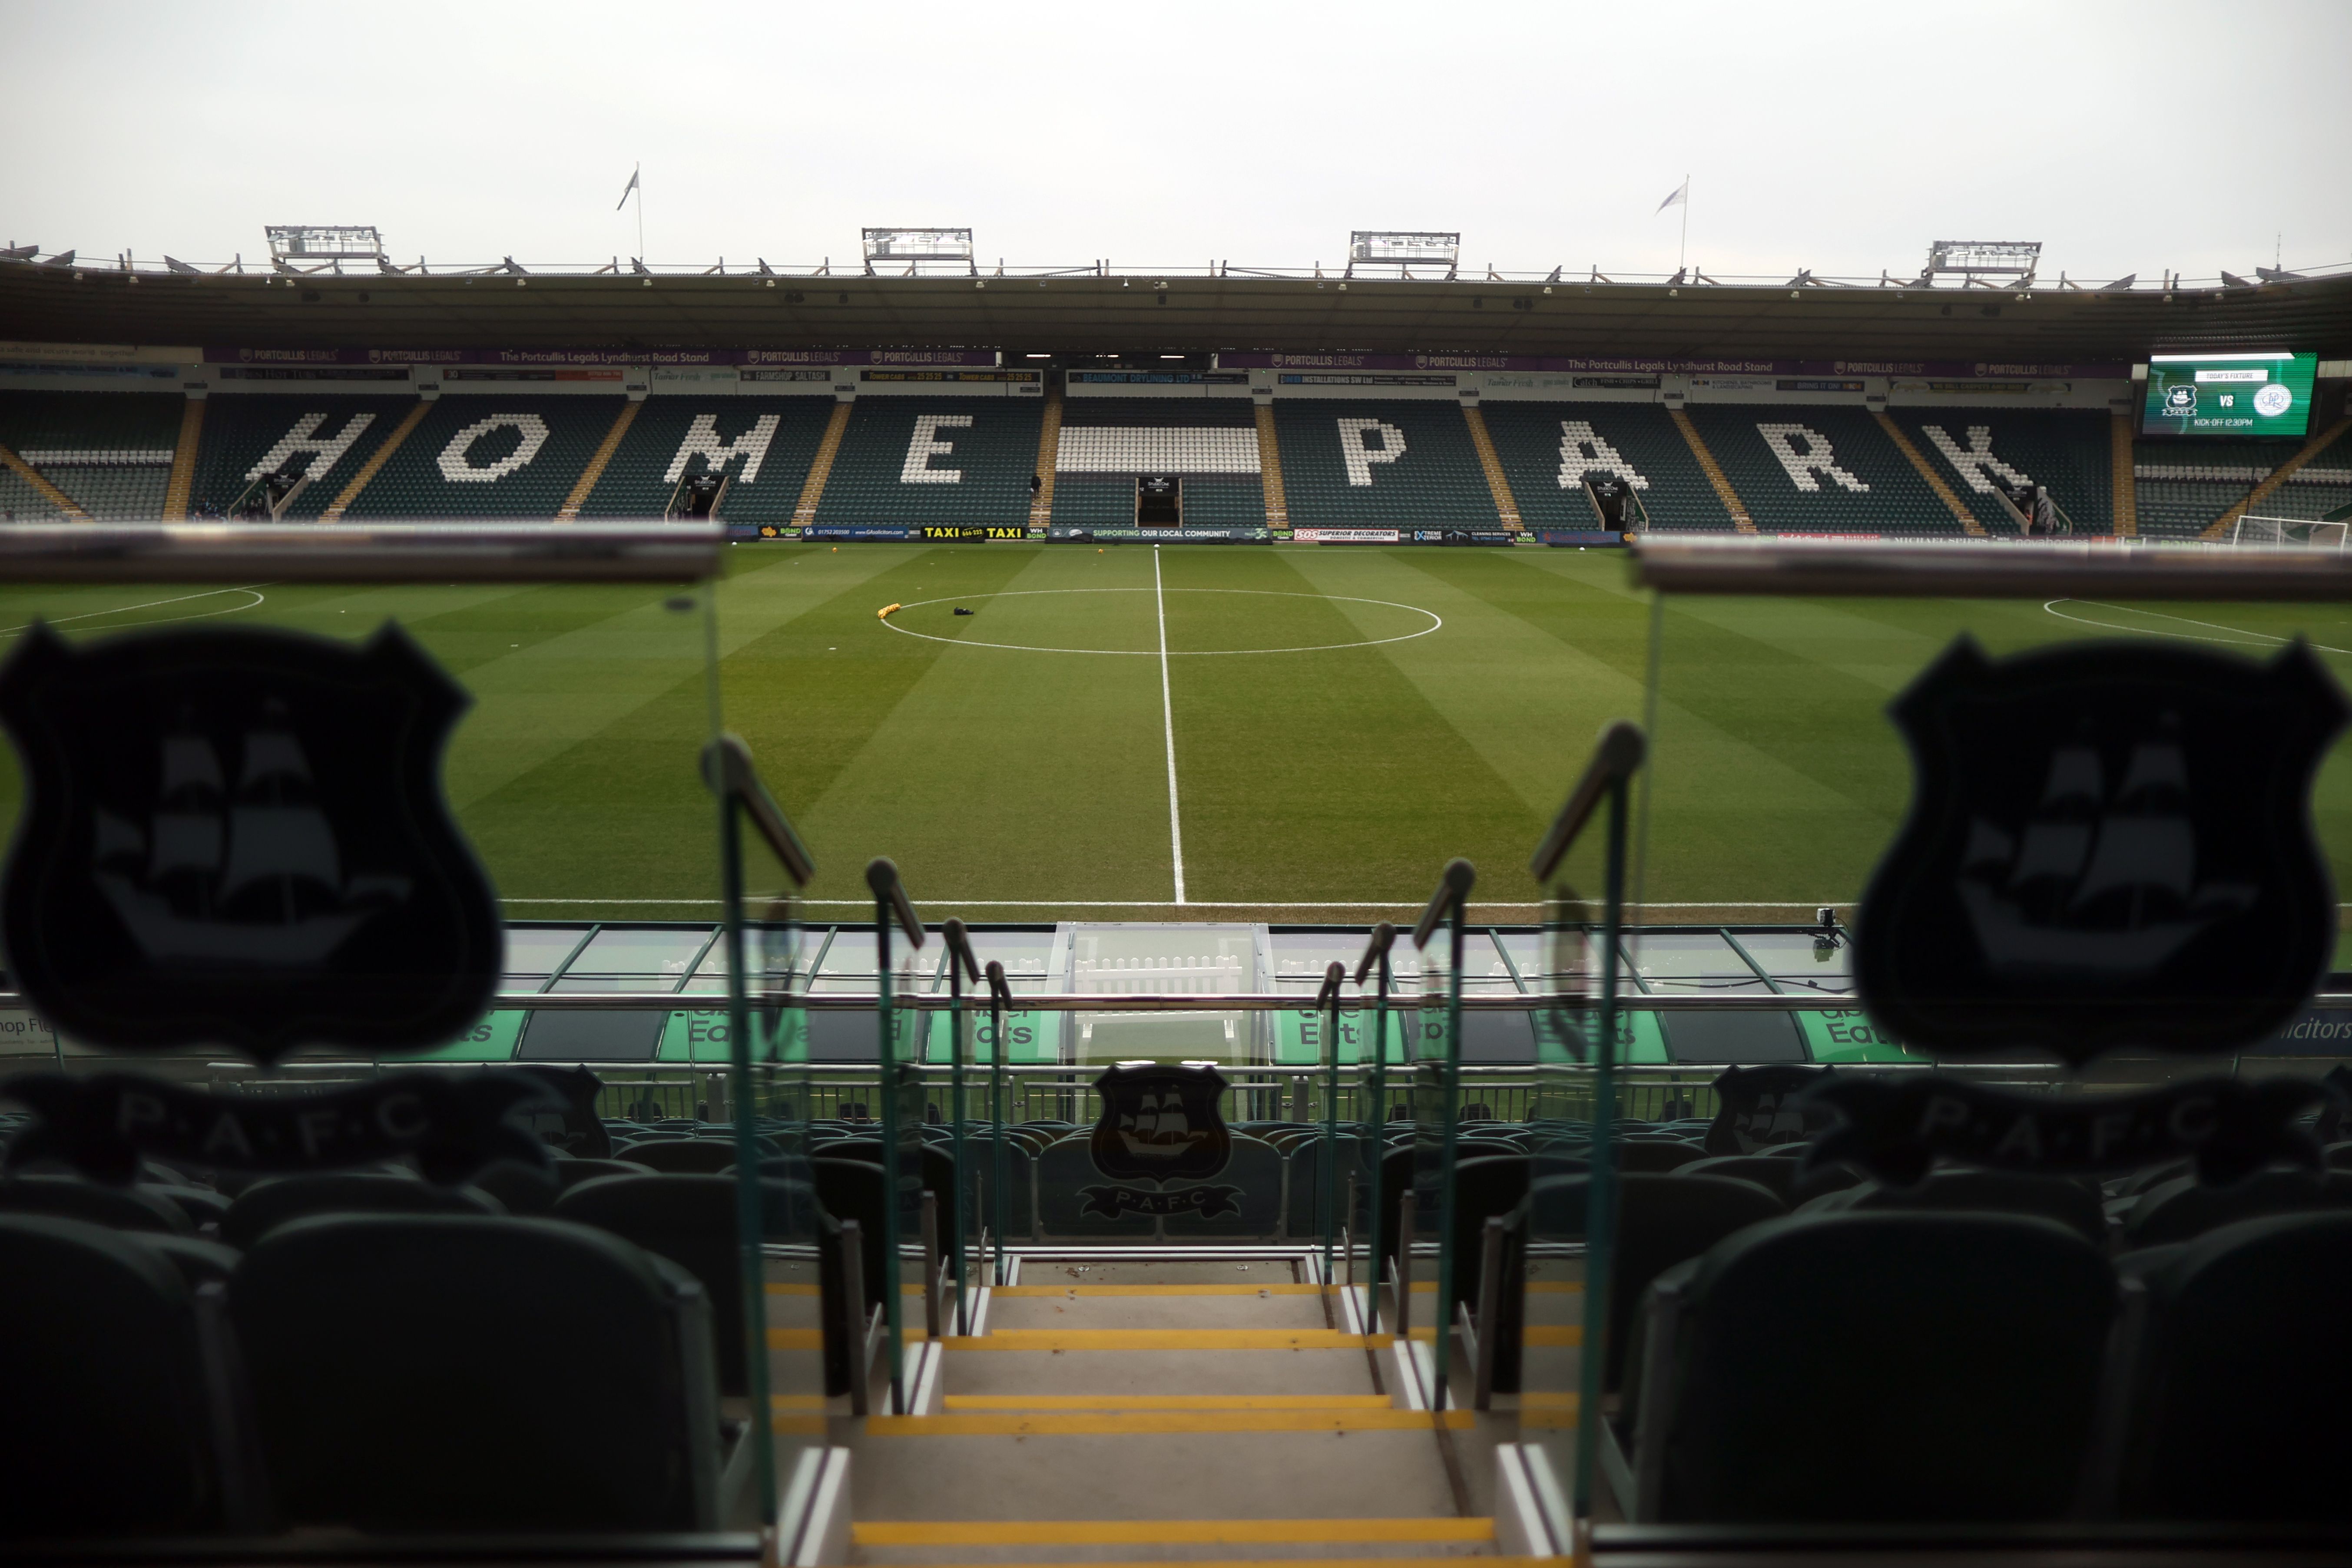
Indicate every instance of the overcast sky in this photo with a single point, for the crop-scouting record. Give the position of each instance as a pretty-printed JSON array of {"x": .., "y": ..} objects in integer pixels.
[{"x": 2129, "y": 138}]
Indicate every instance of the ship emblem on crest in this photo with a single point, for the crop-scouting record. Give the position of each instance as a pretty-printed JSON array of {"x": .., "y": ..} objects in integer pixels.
[
  {"x": 1160, "y": 1124},
  {"x": 2110, "y": 844},
  {"x": 236, "y": 837}
]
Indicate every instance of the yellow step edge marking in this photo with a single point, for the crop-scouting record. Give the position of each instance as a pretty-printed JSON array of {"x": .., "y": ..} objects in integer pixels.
[
  {"x": 1041, "y": 1291},
  {"x": 1161, "y": 1339},
  {"x": 1145, "y": 1423},
  {"x": 1546, "y": 1412},
  {"x": 798, "y": 1426},
  {"x": 1534, "y": 1287},
  {"x": 1535, "y": 1335},
  {"x": 814, "y": 1339},
  {"x": 1167, "y": 1401},
  {"x": 1152, "y": 1531},
  {"x": 777, "y": 1289}
]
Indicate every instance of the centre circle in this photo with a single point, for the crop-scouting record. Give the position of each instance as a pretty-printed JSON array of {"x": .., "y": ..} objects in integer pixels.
[{"x": 1415, "y": 621}]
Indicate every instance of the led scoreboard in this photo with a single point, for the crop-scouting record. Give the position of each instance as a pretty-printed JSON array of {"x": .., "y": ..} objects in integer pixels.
[{"x": 2248, "y": 396}]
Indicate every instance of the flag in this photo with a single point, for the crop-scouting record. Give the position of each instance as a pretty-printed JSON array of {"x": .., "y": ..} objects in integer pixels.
[
  {"x": 1679, "y": 194},
  {"x": 626, "y": 190}
]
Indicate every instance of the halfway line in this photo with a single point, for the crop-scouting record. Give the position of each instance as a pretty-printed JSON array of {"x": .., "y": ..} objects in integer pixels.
[{"x": 1167, "y": 724}]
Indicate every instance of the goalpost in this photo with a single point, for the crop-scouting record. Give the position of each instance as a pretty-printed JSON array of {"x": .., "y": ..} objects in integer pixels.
[{"x": 2307, "y": 532}]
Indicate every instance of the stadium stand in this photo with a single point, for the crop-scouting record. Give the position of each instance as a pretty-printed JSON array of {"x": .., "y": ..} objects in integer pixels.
[
  {"x": 109, "y": 453},
  {"x": 2185, "y": 486},
  {"x": 330, "y": 438},
  {"x": 764, "y": 446},
  {"x": 21, "y": 502},
  {"x": 2064, "y": 449},
  {"x": 1546, "y": 448},
  {"x": 1107, "y": 444},
  {"x": 490, "y": 457},
  {"x": 1820, "y": 470},
  {"x": 1351, "y": 464},
  {"x": 914, "y": 460}
]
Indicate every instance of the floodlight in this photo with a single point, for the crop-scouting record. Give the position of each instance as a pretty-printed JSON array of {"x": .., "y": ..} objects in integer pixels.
[
  {"x": 1972, "y": 258},
  {"x": 325, "y": 242},
  {"x": 920, "y": 248},
  {"x": 1404, "y": 249}
]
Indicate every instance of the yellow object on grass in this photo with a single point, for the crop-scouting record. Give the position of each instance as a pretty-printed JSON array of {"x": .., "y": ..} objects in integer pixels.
[{"x": 884, "y": 613}]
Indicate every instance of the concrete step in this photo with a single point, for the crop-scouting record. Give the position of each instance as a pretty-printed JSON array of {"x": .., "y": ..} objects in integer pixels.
[
  {"x": 979, "y": 1481},
  {"x": 1382, "y": 1540},
  {"x": 1206, "y": 1306},
  {"x": 1045, "y": 1371}
]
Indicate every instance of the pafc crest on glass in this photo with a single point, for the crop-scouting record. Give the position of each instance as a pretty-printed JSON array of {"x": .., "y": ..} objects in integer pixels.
[
  {"x": 236, "y": 838},
  {"x": 2110, "y": 845},
  {"x": 1160, "y": 1124}
]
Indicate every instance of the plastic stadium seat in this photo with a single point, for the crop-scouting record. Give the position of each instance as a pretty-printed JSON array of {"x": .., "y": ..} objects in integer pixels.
[
  {"x": 1872, "y": 1367},
  {"x": 330, "y": 438},
  {"x": 70, "y": 1197},
  {"x": 991, "y": 452},
  {"x": 2179, "y": 1209},
  {"x": 275, "y": 1202},
  {"x": 1787, "y": 1179},
  {"x": 2242, "y": 1375},
  {"x": 939, "y": 1173},
  {"x": 489, "y": 457},
  {"x": 1886, "y": 495},
  {"x": 116, "y": 1389},
  {"x": 110, "y": 452},
  {"x": 2065, "y": 449},
  {"x": 462, "y": 1373},
  {"x": 572, "y": 1173},
  {"x": 690, "y": 1220},
  {"x": 202, "y": 1205},
  {"x": 2071, "y": 1204},
  {"x": 637, "y": 482},
  {"x": 1387, "y": 464},
  {"x": 1108, "y": 443},
  {"x": 1661, "y": 1221},
  {"x": 200, "y": 1262},
  {"x": 1657, "y": 1155},
  {"x": 683, "y": 1156},
  {"x": 1548, "y": 448},
  {"x": 518, "y": 1188}
]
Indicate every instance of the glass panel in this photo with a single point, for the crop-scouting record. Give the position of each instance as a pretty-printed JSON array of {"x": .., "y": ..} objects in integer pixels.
[{"x": 335, "y": 794}]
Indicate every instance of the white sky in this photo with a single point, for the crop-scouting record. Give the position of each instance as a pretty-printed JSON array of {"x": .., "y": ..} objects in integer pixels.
[{"x": 2129, "y": 138}]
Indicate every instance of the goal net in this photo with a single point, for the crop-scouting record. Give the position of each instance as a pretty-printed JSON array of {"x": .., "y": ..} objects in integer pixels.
[{"x": 2303, "y": 532}]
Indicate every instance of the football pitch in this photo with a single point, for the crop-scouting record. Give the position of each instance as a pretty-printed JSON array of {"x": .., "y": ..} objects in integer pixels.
[{"x": 1300, "y": 734}]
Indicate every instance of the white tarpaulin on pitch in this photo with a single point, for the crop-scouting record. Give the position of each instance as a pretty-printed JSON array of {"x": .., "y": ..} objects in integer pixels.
[{"x": 1133, "y": 449}]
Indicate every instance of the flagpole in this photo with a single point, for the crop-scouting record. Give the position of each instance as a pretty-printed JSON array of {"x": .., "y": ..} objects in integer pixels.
[
  {"x": 1681, "y": 256},
  {"x": 638, "y": 176}
]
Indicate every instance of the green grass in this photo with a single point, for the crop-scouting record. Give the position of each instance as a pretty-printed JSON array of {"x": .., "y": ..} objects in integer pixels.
[{"x": 1345, "y": 776}]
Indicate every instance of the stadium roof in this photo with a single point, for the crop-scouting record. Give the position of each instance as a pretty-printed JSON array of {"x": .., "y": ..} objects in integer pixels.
[{"x": 1164, "y": 312}]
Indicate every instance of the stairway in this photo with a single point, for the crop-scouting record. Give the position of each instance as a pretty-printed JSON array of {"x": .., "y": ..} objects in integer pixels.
[
  {"x": 183, "y": 483},
  {"x": 376, "y": 460},
  {"x": 1506, "y": 505},
  {"x": 821, "y": 466},
  {"x": 1714, "y": 472},
  {"x": 1049, "y": 453},
  {"x": 2123, "y": 480},
  {"x": 570, "y": 511},
  {"x": 1269, "y": 467},
  {"x": 1130, "y": 1408},
  {"x": 2277, "y": 476},
  {"x": 1944, "y": 493}
]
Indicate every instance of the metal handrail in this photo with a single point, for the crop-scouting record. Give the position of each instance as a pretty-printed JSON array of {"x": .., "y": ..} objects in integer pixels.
[
  {"x": 361, "y": 552},
  {"x": 1615, "y": 758},
  {"x": 1239, "y": 1002},
  {"x": 1383, "y": 938},
  {"x": 882, "y": 876},
  {"x": 1453, "y": 888},
  {"x": 728, "y": 769},
  {"x": 1991, "y": 569}
]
